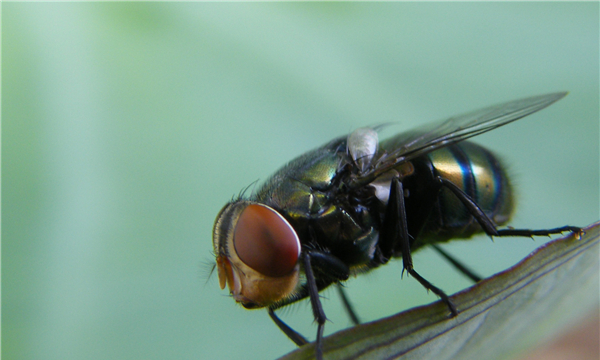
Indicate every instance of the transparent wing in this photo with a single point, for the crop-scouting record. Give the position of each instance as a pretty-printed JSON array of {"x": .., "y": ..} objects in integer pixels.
[{"x": 409, "y": 145}]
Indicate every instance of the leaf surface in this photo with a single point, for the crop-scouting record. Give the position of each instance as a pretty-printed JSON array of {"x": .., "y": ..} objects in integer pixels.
[{"x": 499, "y": 316}]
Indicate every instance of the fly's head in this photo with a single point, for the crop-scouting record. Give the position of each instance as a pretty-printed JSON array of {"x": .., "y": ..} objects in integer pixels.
[{"x": 257, "y": 253}]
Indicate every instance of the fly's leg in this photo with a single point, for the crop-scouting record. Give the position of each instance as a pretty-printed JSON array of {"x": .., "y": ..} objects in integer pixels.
[
  {"x": 330, "y": 269},
  {"x": 488, "y": 225},
  {"x": 348, "y": 305},
  {"x": 548, "y": 232},
  {"x": 315, "y": 302},
  {"x": 298, "y": 339},
  {"x": 394, "y": 232},
  {"x": 457, "y": 264}
]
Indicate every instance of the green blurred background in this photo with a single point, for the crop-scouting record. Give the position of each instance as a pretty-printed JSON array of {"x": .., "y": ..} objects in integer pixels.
[{"x": 127, "y": 126}]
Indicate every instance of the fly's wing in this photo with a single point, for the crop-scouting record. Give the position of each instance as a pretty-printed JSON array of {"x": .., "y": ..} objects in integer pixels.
[{"x": 420, "y": 141}]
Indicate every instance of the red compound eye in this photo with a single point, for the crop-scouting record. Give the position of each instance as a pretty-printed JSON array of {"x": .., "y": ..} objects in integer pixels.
[{"x": 265, "y": 241}]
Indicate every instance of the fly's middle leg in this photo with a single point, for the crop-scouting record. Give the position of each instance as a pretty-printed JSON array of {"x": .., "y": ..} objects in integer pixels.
[{"x": 394, "y": 235}]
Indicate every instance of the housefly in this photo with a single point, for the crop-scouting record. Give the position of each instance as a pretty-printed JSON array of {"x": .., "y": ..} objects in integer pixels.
[{"x": 354, "y": 203}]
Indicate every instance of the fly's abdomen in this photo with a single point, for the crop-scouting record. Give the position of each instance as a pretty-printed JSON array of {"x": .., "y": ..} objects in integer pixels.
[{"x": 481, "y": 176}]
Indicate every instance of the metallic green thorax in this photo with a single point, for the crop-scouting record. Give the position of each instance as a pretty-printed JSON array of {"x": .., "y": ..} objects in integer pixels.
[{"x": 310, "y": 194}]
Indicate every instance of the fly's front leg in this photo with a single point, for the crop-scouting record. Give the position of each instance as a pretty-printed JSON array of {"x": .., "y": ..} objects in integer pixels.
[
  {"x": 394, "y": 233},
  {"x": 298, "y": 339},
  {"x": 488, "y": 225},
  {"x": 315, "y": 302},
  {"x": 335, "y": 269},
  {"x": 328, "y": 269}
]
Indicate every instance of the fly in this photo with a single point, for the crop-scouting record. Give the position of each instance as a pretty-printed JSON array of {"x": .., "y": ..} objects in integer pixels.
[{"x": 354, "y": 203}]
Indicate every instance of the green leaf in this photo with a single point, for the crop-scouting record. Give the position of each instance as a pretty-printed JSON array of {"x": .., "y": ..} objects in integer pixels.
[{"x": 499, "y": 316}]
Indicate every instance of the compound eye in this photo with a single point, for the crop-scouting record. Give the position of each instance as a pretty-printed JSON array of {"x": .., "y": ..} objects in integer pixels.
[{"x": 265, "y": 241}]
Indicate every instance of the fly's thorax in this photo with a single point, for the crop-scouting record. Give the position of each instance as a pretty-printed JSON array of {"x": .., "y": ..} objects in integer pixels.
[{"x": 257, "y": 253}]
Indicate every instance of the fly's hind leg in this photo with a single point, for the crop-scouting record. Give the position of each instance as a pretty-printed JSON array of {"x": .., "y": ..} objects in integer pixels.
[
  {"x": 527, "y": 232},
  {"x": 394, "y": 235},
  {"x": 488, "y": 225},
  {"x": 347, "y": 305},
  {"x": 457, "y": 264}
]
